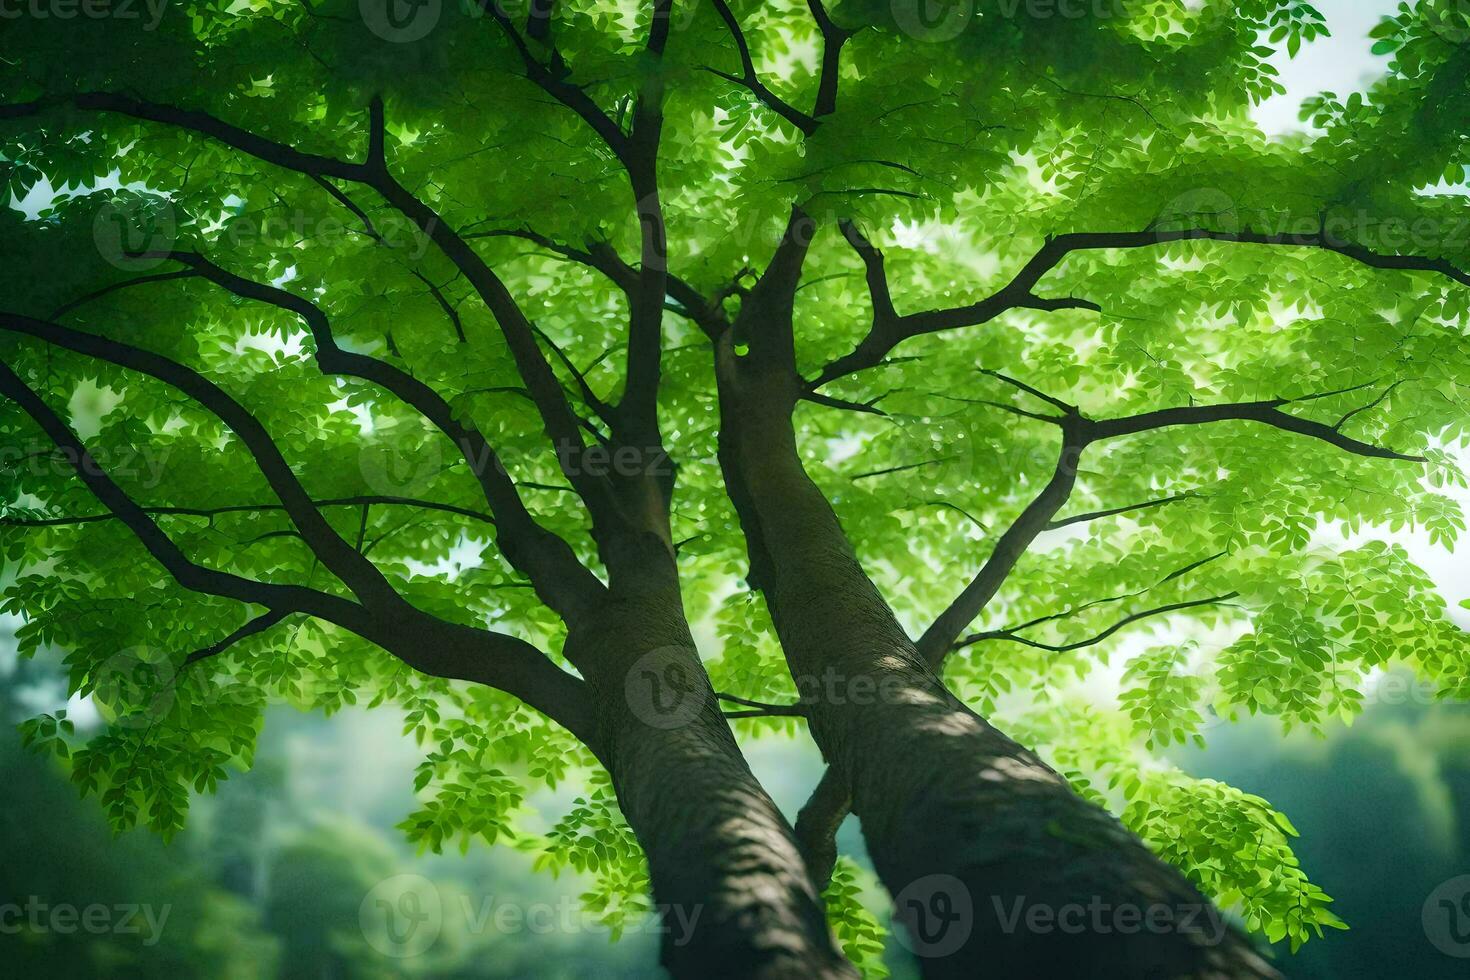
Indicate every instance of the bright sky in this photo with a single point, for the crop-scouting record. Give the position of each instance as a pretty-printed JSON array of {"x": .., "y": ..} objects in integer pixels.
[{"x": 1340, "y": 63}]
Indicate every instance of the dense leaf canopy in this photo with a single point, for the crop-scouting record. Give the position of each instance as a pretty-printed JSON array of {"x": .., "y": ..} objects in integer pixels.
[{"x": 1039, "y": 223}]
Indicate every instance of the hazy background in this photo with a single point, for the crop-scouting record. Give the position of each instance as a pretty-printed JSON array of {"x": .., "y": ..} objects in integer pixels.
[{"x": 273, "y": 873}]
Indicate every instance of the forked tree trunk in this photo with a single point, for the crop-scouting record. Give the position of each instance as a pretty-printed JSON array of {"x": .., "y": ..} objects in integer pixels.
[
  {"x": 997, "y": 868},
  {"x": 725, "y": 869}
]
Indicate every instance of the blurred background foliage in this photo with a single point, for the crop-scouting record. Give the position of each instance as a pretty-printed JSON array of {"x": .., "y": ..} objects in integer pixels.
[{"x": 268, "y": 879}]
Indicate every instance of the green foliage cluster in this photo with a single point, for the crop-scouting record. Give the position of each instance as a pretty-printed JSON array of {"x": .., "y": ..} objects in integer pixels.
[{"x": 1134, "y": 122}]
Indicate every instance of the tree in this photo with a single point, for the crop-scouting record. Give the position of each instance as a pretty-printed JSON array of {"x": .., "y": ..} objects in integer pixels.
[{"x": 462, "y": 358}]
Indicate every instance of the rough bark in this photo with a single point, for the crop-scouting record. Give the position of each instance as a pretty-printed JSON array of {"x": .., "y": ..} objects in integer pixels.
[
  {"x": 997, "y": 868},
  {"x": 724, "y": 864}
]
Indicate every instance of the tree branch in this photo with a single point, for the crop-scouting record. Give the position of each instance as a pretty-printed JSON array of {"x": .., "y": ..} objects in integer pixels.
[
  {"x": 766, "y": 309},
  {"x": 560, "y": 422},
  {"x": 817, "y": 823},
  {"x": 548, "y": 561},
  {"x": 638, "y": 153},
  {"x": 259, "y": 624},
  {"x": 603, "y": 258},
  {"x": 1078, "y": 433},
  {"x": 833, "y": 38},
  {"x": 1126, "y": 509},
  {"x": 553, "y": 80},
  {"x": 750, "y": 80},
  {"x": 444, "y": 304},
  {"x": 538, "y": 20},
  {"x": 889, "y": 329},
  {"x": 866, "y": 408},
  {"x": 1011, "y": 635},
  {"x": 271, "y": 151},
  {"x": 762, "y": 709},
  {"x": 423, "y": 642},
  {"x": 211, "y": 512},
  {"x": 936, "y": 642},
  {"x": 359, "y": 574},
  {"x": 1074, "y": 610},
  {"x": 341, "y": 198},
  {"x": 107, "y": 290},
  {"x": 1264, "y": 412},
  {"x": 599, "y": 407},
  {"x": 1350, "y": 415},
  {"x": 188, "y": 574}
]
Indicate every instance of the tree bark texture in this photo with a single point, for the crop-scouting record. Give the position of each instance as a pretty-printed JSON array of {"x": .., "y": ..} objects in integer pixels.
[
  {"x": 997, "y": 868},
  {"x": 726, "y": 873}
]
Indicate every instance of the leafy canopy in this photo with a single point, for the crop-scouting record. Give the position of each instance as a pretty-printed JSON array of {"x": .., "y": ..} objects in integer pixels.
[{"x": 1249, "y": 271}]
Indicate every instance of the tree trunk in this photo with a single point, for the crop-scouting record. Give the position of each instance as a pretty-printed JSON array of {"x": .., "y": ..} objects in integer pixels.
[
  {"x": 726, "y": 873},
  {"x": 996, "y": 867}
]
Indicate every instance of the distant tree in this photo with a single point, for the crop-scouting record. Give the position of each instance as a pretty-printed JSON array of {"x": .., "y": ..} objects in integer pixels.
[
  {"x": 462, "y": 358},
  {"x": 80, "y": 902}
]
